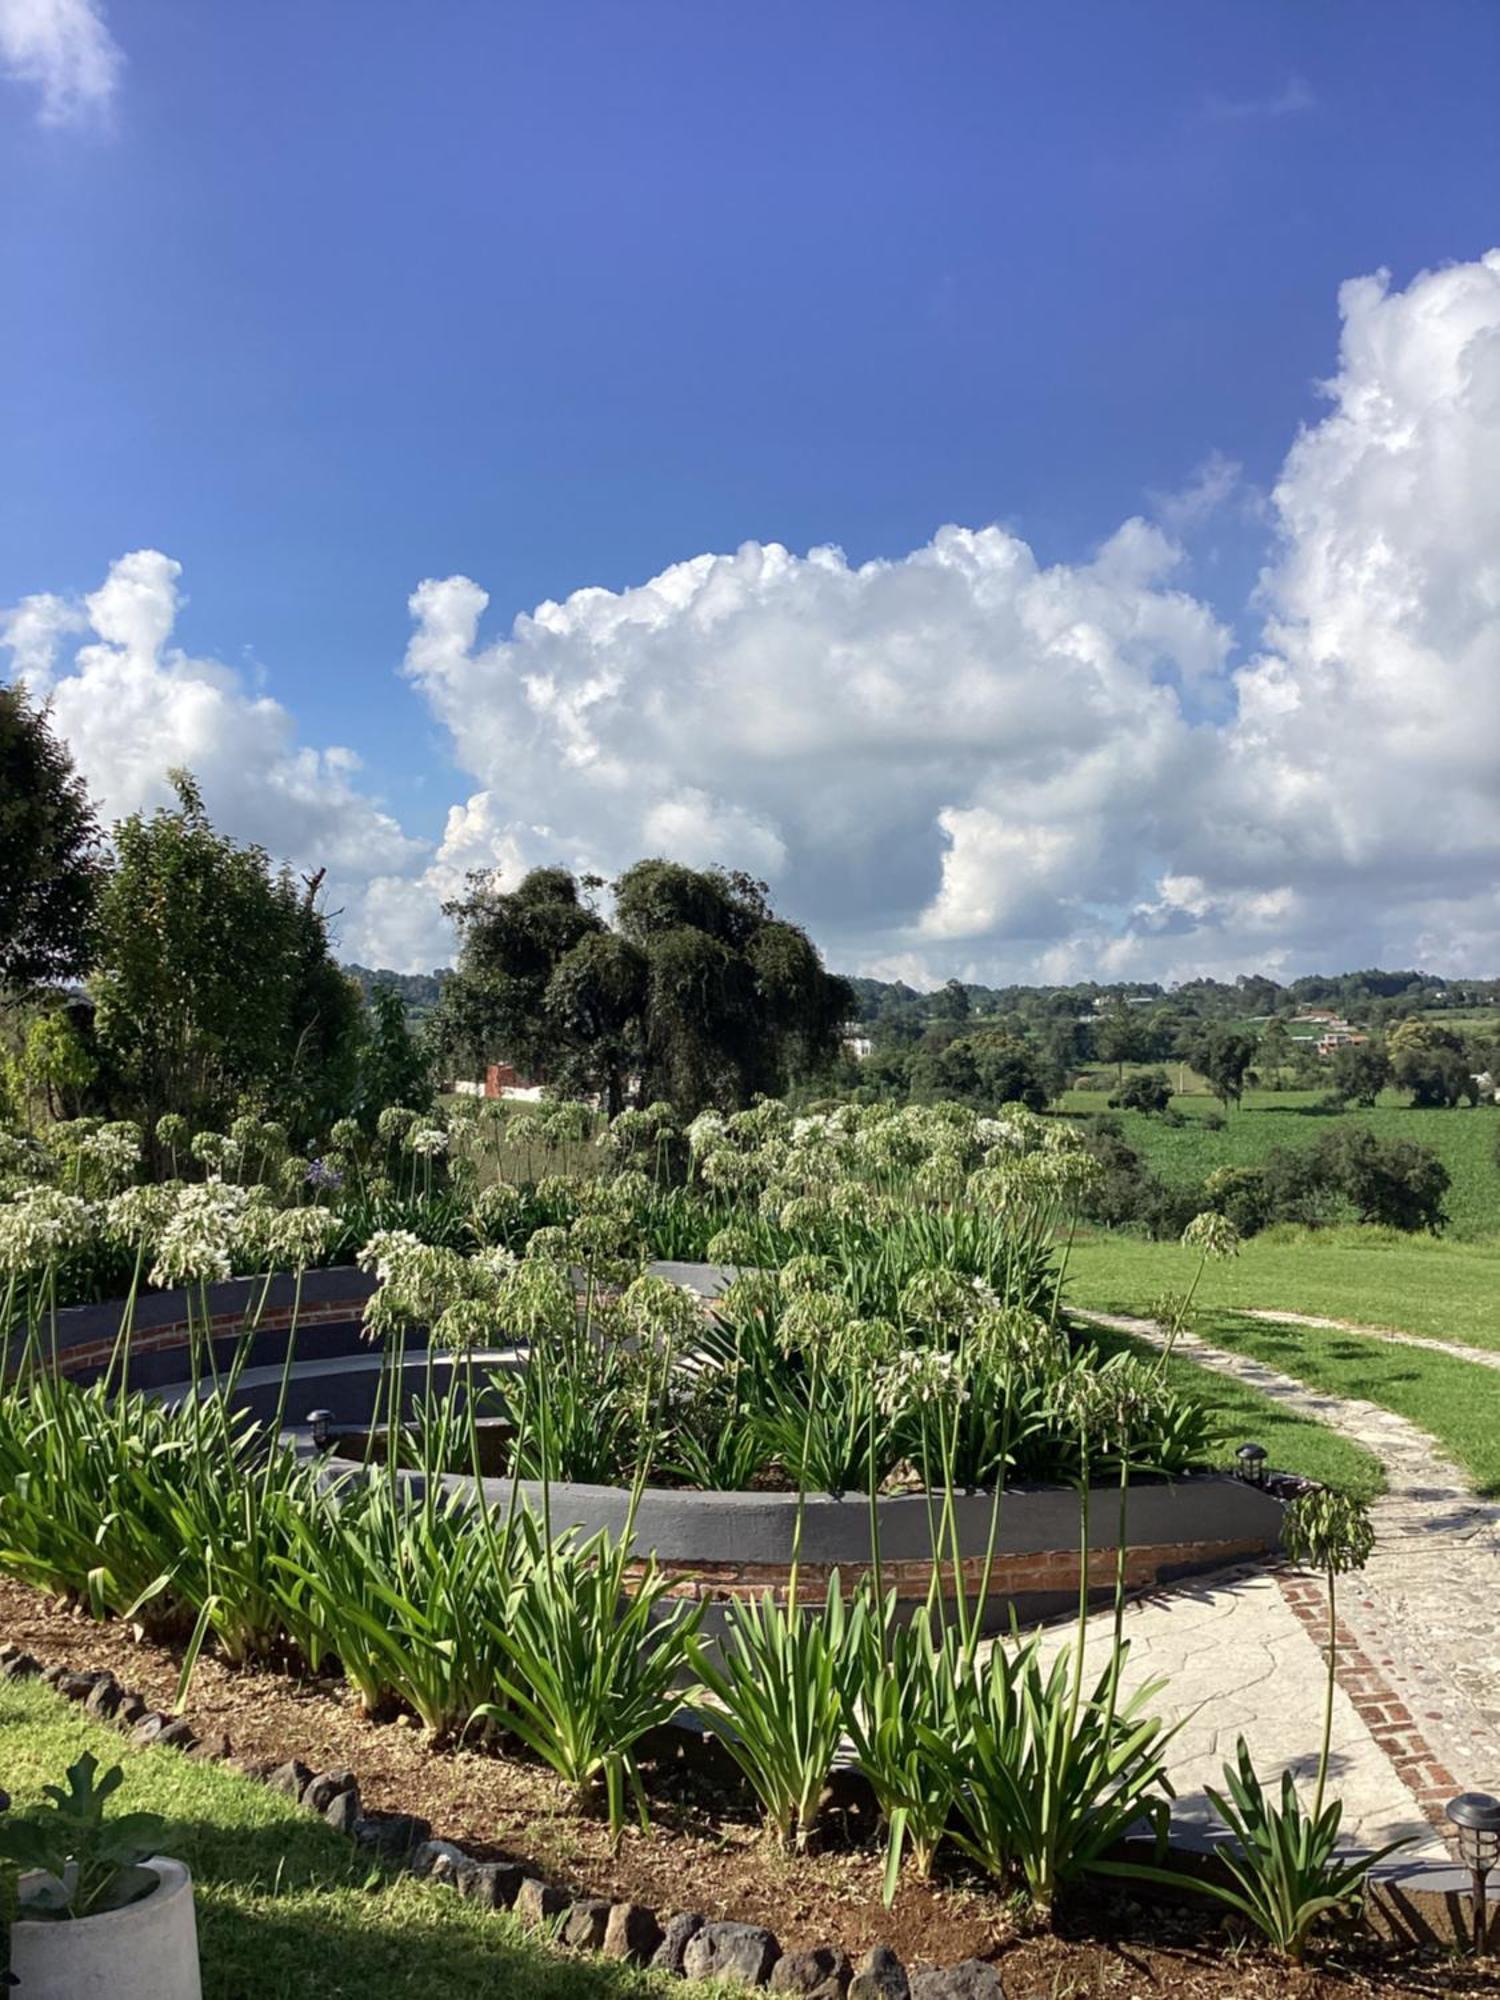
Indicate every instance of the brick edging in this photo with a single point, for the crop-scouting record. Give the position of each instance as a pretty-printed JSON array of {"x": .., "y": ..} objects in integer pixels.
[{"x": 1377, "y": 1704}]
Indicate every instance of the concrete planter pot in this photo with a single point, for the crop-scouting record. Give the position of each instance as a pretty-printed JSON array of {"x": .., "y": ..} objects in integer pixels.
[{"x": 147, "y": 1951}]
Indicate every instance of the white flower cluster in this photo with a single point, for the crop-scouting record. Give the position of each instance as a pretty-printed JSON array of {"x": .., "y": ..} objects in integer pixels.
[{"x": 38, "y": 1228}]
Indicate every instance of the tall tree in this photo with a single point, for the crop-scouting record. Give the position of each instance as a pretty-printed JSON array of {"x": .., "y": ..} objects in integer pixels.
[
  {"x": 215, "y": 986},
  {"x": 697, "y": 993},
  {"x": 51, "y": 860},
  {"x": 1222, "y": 1055}
]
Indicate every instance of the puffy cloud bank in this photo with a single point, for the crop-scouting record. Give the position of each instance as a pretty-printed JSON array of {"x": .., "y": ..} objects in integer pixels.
[{"x": 958, "y": 760}]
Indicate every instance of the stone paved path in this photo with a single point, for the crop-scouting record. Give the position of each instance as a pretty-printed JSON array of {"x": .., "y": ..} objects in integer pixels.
[
  {"x": 1482, "y": 1357},
  {"x": 1238, "y": 1660},
  {"x": 1423, "y": 1620}
]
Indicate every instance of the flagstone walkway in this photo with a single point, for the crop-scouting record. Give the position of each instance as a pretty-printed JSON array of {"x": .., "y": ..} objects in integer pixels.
[{"x": 1420, "y": 1627}]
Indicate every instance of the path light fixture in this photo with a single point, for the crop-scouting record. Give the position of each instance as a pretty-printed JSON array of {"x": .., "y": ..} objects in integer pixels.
[
  {"x": 1475, "y": 1817},
  {"x": 320, "y": 1423},
  {"x": 1250, "y": 1461}
]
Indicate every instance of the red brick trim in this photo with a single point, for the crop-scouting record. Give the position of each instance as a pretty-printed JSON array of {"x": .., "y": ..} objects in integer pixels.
[
  {"x": 158, "y": 1339},
  {"x": 1048, "y": 1572},
  {"x": 1374, "y": 1700}
]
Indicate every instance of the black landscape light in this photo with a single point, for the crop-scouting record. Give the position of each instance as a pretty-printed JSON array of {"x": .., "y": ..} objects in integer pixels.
[
  {"x": 1250, "y": 1460},
  {"x": 1476, "y": 1818},
  {"x": 319, "y": 1422}
]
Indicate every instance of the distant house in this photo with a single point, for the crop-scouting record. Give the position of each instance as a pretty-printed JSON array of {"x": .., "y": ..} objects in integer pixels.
[
  {"x": 502, "y": 1080},
  {"x": 859, "y": 1046},
  {"x": 1341, "y": 1037}
]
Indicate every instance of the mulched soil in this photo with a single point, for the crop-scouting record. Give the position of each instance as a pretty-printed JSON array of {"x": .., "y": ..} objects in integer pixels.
[{"x": 705, "y": 1852}]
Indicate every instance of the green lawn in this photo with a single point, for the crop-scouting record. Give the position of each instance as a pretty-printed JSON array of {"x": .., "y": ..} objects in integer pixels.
[
  {"x": 1456, "y": 1402},
  {"x": 287, "y": 1908},
  {"x": 1420, "y": 1284},
  {"x": 1295, "y": 1444},
  {"x": 1464, "y": 1139}
]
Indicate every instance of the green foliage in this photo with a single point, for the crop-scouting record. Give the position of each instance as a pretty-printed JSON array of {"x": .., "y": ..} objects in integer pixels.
[
  {"x": 214, "y": 982},
  {"x": 593, "y": 1661},
  {"x": 909, "y": 1695},
  {"x": 1147, "y": 1091},
  {"x": 1288, "y": 1874},
  {"x": 1283, "y": 1126},
  {"x": 699, "y": 991},
  {"x": 95, "y": 1862},
  {"x": 1222, "y": 1055},
  {"x": 1048, "y": 1777},
  {"x": 1432, "y": 1062},
  {"x": 1358, "y": 1072},
  {"x": 51, "y": 858},
  {"x": 781, "y": 1696},
  {"x": 393, "y": 1066}
]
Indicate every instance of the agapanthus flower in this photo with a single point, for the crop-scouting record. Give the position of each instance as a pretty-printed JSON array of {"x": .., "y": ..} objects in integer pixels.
[
  {"x": 426, "y": 1141},
  {"x": 324, "y": 1175},
  {"x": 300, "y": 1237},
  {"x": 497, "y": 1206},
  {"x": 139, "y": 1214},
  {"x": 919, "y": 1378},
  {"x": 393, "y": 1124},
  {"x": 39, "y": 1227},
  {"x": 1213, "y": 1234}
]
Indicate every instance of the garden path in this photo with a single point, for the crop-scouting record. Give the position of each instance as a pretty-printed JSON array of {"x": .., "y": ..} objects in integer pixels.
[
  {"x": 1236, "y": 1659},
  {"x": 1423, "y": 1619},
  {"x": 1482, "y": 1357}
]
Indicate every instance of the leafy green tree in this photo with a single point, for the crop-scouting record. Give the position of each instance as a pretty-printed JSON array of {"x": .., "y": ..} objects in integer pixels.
[
  {"x": 951, "y": 1002},
  {"x": 214, "y": 985},
  {"x": 1395, "y": 1182},
  {"x": 1432, "y": 1063},
  {"x": 1148, "y": 1090},
  {"x": 1359, "y": 1072},
  {"x": 698, "y": 993},
  {"x": 1221, "y": 1055},
  {"x": 51, "y": 861},
  {"x": 54, "y": 1062},
  {"x": 394, "y": 1067},
  {"x": 1121, "y": 1036}
]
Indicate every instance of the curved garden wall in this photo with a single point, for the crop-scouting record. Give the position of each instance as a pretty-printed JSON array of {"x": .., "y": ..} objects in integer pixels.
[{"x": 716, "y": 1545}]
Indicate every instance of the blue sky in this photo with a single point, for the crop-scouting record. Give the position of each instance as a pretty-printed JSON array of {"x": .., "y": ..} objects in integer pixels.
[{"x": 322, "y": 301}]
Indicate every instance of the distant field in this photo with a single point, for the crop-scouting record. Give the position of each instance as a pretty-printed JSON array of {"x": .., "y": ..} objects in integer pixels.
[
  {"x": 1420, "y": 1284},
  {"x": 1464, "y": 1139}
]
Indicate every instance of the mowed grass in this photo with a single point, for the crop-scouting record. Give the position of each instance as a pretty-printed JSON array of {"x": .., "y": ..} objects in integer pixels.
[
  {"x": 1295, "y": 1444},
  {"x": 1183, "y": 1155},
  {"x": 1455, "y": 1402},
  {"x": 1377, "y": 1277},
  {"x": 287, "y": 1908}
]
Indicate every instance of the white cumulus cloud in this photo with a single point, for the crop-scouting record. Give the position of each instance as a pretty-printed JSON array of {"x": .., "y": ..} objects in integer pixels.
[
  {"x": 132, "y": 706},
  {"x": 960, "y": 759},
  {"x": 63, "y": 49}
]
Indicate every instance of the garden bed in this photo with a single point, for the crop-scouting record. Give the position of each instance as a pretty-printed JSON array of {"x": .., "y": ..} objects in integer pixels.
[{"x": 707, "y": 1853}]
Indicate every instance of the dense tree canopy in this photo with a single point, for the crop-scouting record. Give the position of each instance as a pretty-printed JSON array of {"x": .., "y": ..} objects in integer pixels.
[
  {"x": 214, "y": 983},
  {"x": 50, "y": 856},
  {"x": 697, "y": 992},
  {"x": 1431, "y": 1061}
]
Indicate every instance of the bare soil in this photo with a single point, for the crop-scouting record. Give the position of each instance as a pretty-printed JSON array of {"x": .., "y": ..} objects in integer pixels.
[{"x": 705, "y": 1851}]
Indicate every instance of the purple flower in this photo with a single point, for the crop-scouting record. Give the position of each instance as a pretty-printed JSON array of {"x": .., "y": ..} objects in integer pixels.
[{"x": 321, "y": 1175}]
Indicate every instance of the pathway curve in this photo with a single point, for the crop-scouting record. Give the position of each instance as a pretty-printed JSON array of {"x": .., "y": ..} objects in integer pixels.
[
  {"x": 1424, "y": 1616},
  {"x": 1482, "y": 1357}
]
